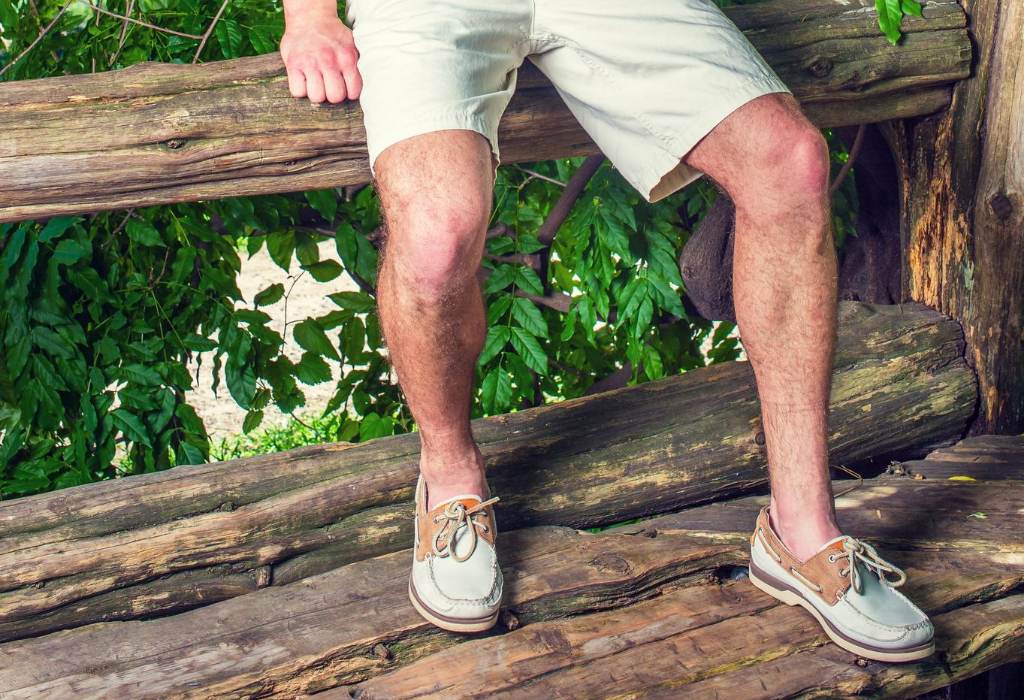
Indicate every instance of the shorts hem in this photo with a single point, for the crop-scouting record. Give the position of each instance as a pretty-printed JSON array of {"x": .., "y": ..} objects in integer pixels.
[{"x": 669, "y": 173}]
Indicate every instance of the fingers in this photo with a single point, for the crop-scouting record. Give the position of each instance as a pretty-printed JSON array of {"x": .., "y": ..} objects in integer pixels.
[
  {"x": 296, "y": 82},
  {"x": 334, "y": 86},
  {"x": 326, "y": 77},
  {"x": 353, "y": 80}
]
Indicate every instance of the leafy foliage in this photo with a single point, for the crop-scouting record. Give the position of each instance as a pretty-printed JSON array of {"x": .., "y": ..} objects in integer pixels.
[{"x": 99, "y": 314}]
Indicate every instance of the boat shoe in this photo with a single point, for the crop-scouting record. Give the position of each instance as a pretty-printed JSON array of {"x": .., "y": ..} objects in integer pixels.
[
  {"x": 456, "y": 582},
  {"x": 846, "y": 586}
]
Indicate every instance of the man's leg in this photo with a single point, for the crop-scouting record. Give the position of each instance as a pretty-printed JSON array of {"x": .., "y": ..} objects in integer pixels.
[
  {"x": 774, "y": 164},
  {"x": 436, "y": 191}
]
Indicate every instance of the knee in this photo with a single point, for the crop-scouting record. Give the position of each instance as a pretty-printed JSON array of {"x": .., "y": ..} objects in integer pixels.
[
  {"x": 437, "y": 246},
  {"x": 790, "y": 173}
]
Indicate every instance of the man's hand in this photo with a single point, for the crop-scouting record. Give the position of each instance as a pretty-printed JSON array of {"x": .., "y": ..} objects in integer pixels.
[{"x": 319, "y": 52}]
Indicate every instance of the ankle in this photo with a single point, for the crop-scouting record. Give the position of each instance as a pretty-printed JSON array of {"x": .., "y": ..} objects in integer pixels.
[
  {"x": 803, "y": 533},
  {"x": 446, "y": 476}
]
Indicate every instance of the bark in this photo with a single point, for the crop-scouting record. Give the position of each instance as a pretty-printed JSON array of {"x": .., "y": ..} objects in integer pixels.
[
  {"x": 161, "y": 543},
  {"x": 644, "y": 610},
  {"x": 963, "y": 212},
  {"x": 163, "y": 133}
]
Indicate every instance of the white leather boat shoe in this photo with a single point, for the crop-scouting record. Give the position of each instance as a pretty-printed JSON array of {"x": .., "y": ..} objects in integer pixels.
[
  {"x": 845, "y": 586},
  {"x": 456, "y": 582}
]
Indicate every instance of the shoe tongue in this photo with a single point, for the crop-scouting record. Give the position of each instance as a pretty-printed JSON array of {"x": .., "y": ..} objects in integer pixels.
[
  {"x": 468, "y": 499},
  {"x": 834, "y": 543}
]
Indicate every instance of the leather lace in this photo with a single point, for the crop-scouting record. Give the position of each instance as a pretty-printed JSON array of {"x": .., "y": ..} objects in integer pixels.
[
  {"x": 456, "y": 515},
  {"x": 856, "y": 551}
]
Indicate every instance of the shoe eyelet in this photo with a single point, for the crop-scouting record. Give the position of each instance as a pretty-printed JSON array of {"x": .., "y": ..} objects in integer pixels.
[
  {"x": 832, "y": 558},
  {"x": 844, "y": 572}
]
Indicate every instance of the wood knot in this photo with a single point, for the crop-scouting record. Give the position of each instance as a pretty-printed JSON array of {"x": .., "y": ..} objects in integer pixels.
[
  {"x": 820, "y": 67},
  {"x": 611, "y": 564},
  {"x": 509, "y": 619},
  {"x": 262, "y": 576},
  {"x": 759, "y": 438},
  {"x": 1001, "y": 205},
  {"x": 175, "y": 144}
]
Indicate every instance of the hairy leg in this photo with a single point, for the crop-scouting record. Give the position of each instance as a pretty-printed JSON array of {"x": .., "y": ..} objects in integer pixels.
[
  {"x": 774, "y": 164},
  {"x": 436, "y": 191}
]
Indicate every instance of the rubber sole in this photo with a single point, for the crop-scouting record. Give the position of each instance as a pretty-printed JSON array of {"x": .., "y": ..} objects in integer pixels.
[
  {"x": 791, "y": 598},
  {"x": 479, "y": 624}
]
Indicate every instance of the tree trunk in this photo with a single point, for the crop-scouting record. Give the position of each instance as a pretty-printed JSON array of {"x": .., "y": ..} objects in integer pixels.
[
  {"x": 963, "y": 221},
  {"x": 159, "y": 543},
  {"x": 163, "y": 133}
]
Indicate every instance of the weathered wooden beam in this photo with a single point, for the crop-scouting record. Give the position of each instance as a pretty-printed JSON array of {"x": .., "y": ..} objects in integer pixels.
[
  {"x": 635, "y": 610},
  {"x": 164, "y": 542},
  {"x": 161, "y": 133}
]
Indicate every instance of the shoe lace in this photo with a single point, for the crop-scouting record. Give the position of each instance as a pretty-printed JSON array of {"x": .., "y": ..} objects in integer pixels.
[
  {"x": 856, "y": 551},
  {"x": 455, "y": 516}
]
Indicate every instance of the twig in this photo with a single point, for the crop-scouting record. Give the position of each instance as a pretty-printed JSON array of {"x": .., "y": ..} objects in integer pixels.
[
  {"x": 854, "y": 151},
  {"x": 123, "y": 35},
  {"x": 139, "y": 21},
  {"x": 38, "y": 38},
  {"x": 118, "y": 229},
  {"x": 572, "y": 192},
  {"x": 209, "y": 30},
  {"x": 537, "y": 175}
]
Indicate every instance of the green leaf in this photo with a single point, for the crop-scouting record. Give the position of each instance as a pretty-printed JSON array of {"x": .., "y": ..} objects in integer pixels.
[
  {"x": 325, "y": 270},
  {"x": 497, "y": 337},
  {"x": 230, "y": 37},
  {"x": 271, "y": 295},
  {"x": 141, "y": 374},
  {"x": 252, "y": 421},
  {"x": 910, "y": 7},
  {"x": 498, "y": 308},
  {"x": 530, "y": 350},
  {"x": 241, "y": 380},
  {"x": 281, "y": 245},
  {"x": 310, "y": 336},
  {"x": 306, "y": 249},
  {"x": 49, "y": 340},
  {"x": 890, "y": 15},
  {"x": 500, "y": 278},
  {"x": 359, "y": 302},
  {"x": 143, "y": 232},
  {"x": 496, "y": 391},
  {"x": 8, "y": 15},
  {"x": 131, "y": 426},
  {"x": 529, "y": 317},
  {"x": 57, "y": 226},
  {"x": 68, "y": 252},
  {"x": 371, "y": 427},
  {"x": 312, "y": 369},
  {"x": 324, "y": 202},
  {"x": 653, "y": 367}
]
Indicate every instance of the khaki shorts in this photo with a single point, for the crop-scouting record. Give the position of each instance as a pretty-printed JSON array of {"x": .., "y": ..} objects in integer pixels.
[{"x": 646, "y": 79}]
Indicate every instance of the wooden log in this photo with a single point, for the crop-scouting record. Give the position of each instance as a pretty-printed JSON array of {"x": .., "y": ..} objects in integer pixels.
[
  {"x": 344, "y": 625},
  {"x": 616, "y": 613},
  {"x": 163, "y": 542},
  {"x": 161, "y": 133},
  {"x": 702, "y": 642}
]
